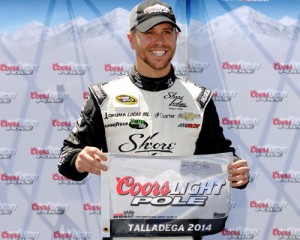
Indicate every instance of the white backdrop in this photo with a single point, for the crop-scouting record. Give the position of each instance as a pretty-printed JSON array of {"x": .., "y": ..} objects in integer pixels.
[{"x": 240, "y": 49}]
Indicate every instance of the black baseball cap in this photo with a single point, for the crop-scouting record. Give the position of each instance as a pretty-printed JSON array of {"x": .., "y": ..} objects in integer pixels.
[{"x": 149, "y": 13}]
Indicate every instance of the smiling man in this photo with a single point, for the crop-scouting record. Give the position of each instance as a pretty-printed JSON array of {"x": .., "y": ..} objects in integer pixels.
[{"x": 150, "y": 111}]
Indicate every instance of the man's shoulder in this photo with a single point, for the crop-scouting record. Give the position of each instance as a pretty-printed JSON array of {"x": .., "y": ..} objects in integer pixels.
[
  {"x": 201, "y": 93},
  {"x": 111, "y": 82},
  {"x": 101, "y": 90},
  {"x": 191, "y": 84}
]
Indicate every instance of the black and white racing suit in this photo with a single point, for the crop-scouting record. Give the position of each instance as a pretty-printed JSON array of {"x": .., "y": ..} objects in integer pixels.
[{"x": 138, "y": 115}]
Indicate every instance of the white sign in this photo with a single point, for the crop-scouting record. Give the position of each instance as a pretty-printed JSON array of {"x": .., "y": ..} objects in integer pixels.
[{"x": 165, "y": 196}]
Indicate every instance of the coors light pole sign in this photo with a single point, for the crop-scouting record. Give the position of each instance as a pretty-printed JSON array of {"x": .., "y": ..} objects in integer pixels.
[{"x": 165, "y": 196}]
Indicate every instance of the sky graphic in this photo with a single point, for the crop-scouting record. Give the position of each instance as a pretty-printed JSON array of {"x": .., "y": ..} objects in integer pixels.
[{"x": 15, "y": 14}]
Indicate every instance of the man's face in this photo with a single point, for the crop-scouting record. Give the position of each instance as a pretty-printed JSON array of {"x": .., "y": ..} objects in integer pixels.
[{"x": 154, "y": 49}]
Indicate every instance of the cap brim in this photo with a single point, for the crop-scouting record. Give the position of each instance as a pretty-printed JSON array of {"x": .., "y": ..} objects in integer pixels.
[{"x": 150, "y": 23}]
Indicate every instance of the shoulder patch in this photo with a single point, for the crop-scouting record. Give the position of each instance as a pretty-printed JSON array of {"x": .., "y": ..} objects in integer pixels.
[
  {"x": 98, "y": 92},
  {"x": 204, "y": 96}
]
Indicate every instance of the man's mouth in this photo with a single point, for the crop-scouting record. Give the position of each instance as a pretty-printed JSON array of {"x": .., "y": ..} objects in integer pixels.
[{"x": 159, "y": 53}]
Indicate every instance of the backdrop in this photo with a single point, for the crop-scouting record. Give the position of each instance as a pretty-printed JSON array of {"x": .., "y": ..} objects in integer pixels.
[{"x": 247, "y": 52}]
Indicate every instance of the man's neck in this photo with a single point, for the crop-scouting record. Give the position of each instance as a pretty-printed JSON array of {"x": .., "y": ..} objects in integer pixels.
[
  {"x": 152, "y": 73},
  {"x": 152, "y": 84}
]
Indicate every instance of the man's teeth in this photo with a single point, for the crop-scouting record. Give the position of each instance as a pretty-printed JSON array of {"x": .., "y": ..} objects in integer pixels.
[{"x": 158, "y": 53}]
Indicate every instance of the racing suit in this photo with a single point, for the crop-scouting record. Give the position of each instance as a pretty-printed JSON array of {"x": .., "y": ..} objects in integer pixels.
[{"x": 138, "y": 115}]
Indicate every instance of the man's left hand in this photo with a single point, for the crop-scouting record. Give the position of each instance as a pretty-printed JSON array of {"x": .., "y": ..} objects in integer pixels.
[{"x": 238, "y": 173}]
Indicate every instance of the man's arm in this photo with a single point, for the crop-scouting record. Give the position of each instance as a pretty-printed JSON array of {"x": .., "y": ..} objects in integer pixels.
[
  {"x": 89, "y": 131},
  {"x": 212, "y": 140}
]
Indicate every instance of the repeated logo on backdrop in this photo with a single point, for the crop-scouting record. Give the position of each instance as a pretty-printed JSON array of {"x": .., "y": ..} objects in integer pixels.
[
  {"x": 18, "y": 68},
  {"x": 240, "y": 67},
  {"x": 268, "y": 150},
  {"x": 70, "y": 68},
  {"x": 18, "y": 178},
  {"x": 18, "y": 124},
  {"x": 240, "y": 233},
  {"x": 287, "y": 68},
  {"x": 27, "y": 125}
]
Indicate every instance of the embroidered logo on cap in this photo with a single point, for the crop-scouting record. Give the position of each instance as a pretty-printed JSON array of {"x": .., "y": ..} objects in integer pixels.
[{"x": 156, "y": 8}]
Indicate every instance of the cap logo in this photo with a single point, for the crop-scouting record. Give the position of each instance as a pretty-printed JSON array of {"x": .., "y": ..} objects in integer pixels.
[{"x": 156, "y": 8}]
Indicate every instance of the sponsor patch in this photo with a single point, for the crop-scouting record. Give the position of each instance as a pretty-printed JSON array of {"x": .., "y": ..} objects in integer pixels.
[
  {"x": 126, "y": 99},
  {"x": 138, "y": 124},
  {"x": 188, "y": 116}
]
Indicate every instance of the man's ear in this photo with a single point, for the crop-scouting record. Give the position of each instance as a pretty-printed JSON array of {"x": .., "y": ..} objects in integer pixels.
[{"x": 130, "y": 37}]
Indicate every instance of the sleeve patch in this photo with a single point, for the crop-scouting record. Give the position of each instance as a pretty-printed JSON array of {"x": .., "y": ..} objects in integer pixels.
[{"x": 204, "y": 97}]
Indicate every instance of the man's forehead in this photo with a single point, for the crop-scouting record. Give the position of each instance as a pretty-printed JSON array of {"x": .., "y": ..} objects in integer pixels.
[{"x": 163, "y": 26}]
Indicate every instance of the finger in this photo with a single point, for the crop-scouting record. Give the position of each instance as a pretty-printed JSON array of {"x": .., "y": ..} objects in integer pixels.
[
  {"x": 238, "y": 180},
  {"x": 84, "y": 163},
  {"x": 240, "y": 170},
  {"x": 87, "y": 163},
  {"x": 94, "y": 164},
  {"x": 238, "y": 177},
  {"x": 239, "y": 163},
  {"x": 96, "y": 153}
]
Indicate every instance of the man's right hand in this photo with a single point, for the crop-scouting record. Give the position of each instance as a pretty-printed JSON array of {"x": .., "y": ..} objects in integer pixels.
[{"x": 89, "y": 160}]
